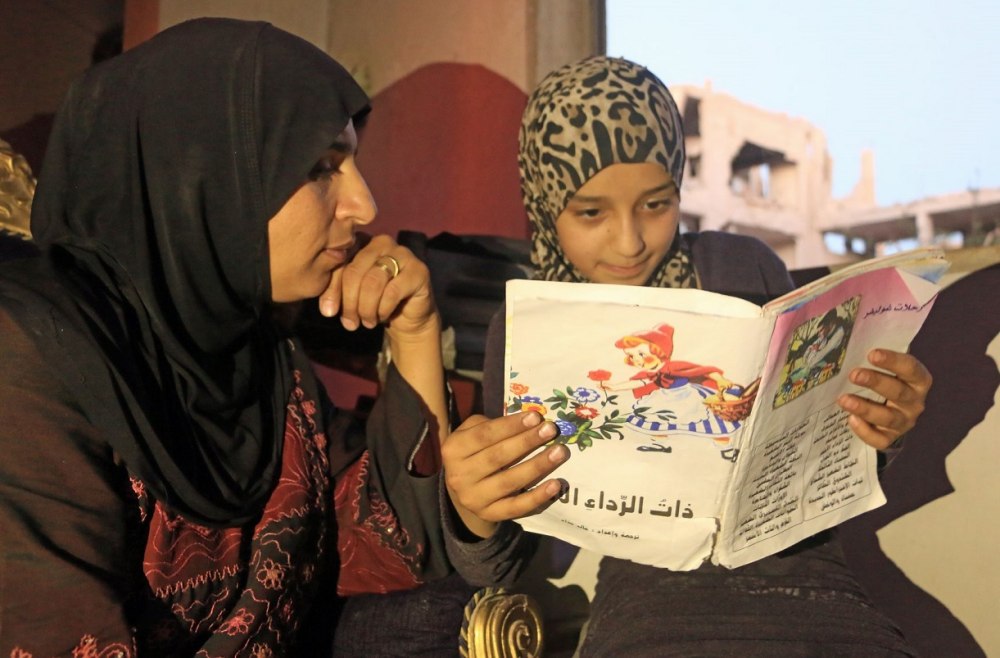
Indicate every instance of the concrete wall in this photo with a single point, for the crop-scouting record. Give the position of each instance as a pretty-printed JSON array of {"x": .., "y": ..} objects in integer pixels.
[{"x": 787, "y": 206}]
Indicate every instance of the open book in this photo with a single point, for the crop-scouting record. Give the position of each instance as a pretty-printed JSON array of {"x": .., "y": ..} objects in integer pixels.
[{"x": 703, "y": 427}]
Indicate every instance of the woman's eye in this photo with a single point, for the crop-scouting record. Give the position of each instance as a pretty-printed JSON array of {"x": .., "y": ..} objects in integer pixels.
[
  {"x": 325, "y": 167},
  {"x": 588, "y": 213}
]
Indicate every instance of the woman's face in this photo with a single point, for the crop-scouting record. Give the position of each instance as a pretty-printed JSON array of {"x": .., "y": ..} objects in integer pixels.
[
  {"x": 313, "y": 233},
  {"x": 620, "y": 224}
]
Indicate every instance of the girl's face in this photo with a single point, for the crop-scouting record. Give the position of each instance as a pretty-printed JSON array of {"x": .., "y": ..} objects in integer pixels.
[
  {"x": 620, "y": 224},
  {"x": 639, "y": 356},
  {"x": 313, "y": 233}
]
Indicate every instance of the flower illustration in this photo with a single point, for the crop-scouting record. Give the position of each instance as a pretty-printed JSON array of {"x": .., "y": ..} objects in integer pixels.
[
  {"x": 518, "y": 389},
  {"x": 532, "y": 403},
  {"x": 581, "y": 413},
  {"x": 566, "y": 428},
  {"x": 599, "y": 375},
  {"x": 530, "y": 406}
]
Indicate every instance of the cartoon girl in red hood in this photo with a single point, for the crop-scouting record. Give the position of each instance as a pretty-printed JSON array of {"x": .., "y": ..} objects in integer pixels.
[{"x": 670, "y": 395}]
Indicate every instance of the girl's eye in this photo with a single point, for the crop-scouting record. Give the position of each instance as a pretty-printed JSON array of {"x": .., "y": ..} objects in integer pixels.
[
  {"x": 588, "y": 213},
  {"x": 658, "y": 204},
  {"x": 325, "y": 167}
]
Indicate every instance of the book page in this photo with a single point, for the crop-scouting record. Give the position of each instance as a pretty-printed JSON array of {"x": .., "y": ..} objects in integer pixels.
[
  {"x": 927, "y": 263},
  {"x": 806, "y": 470},
  {"x": 633, "y": 383}
]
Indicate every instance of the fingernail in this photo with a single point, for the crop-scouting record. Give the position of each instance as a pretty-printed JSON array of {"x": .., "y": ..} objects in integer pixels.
[
  {"x": 348, "y": 323},
  {"x": 531, "y": 419},
  {"x": 558, "y": 454},
  {"x": 876, "y": 356},
  {"x": 860, "y": 377},
  {"x": 554, "y": 488},
  {"x": 327, "y": 308},
  {"x": 547, "y": 431},
  {"x": 848, "y": 403}
]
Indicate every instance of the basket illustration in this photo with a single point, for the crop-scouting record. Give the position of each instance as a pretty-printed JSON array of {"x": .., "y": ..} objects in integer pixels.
[{"x": 734, "y": 410}]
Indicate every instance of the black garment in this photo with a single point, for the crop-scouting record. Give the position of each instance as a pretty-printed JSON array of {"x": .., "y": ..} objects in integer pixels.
[
  {"x": 92, "y": 564},
  {"x": 164, "y": 167}
]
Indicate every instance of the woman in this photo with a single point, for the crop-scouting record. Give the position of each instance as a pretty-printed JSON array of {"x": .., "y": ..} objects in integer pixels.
[
  {"x": 174, "y": 481},
  {"x": 602, "y": 160}
]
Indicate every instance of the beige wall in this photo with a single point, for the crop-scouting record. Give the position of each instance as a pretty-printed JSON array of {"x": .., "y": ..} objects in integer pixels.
[
  {"x": 306, "y": 18},
  {"x": 381, "y": 41},
  {"x": 948, "y": 547}
]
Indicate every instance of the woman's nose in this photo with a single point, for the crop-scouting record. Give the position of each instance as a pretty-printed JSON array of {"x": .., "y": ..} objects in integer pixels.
[{"x": 355, "y": 200}]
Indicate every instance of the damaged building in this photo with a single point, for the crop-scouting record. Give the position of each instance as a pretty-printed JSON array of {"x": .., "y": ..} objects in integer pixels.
[{"x": 769, "y": 175}]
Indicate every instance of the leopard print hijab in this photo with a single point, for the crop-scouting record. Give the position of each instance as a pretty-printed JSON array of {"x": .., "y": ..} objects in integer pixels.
[{"x": 581, "y": 118}]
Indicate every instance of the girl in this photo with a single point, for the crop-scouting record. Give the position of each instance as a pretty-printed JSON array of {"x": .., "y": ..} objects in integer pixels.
[{"x": 602, "y": 161}]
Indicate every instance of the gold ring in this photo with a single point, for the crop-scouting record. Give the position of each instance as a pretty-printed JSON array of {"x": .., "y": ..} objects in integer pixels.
[{"x": 388, "y": 264}]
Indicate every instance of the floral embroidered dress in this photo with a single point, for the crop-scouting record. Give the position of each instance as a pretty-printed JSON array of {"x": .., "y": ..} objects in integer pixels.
[{"x": 69, "y": 559}]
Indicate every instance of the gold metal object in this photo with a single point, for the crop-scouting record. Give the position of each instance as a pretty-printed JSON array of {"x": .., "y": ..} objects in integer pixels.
[
  {"x": 389, "y": 265},
  {"x": 17, "y": 188},
  {"x": 501, "y": 624}
]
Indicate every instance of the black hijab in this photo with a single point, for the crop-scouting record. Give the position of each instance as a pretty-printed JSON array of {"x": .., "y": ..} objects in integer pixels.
[{"x": 164, "y": 167}]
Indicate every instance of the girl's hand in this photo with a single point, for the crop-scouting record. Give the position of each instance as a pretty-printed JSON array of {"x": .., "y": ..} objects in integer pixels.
[
  {"x": 484, "y": 480},
  {"x": 905, "y": 392},
  {"x": 366, "y": 293}
]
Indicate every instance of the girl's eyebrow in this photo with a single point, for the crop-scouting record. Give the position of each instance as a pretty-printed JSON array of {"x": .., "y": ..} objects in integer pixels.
[
  {"x": 666, "y": 187},
  {"x": 594, "y": 199}
]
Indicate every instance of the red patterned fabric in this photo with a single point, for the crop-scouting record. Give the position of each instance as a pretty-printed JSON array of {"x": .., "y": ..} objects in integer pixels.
[
  {"x": 243, "y": 597},
  {"x": 89, "y": 647},
  {"x": 244, "y": 591},
  {"x": 371, "y": 545}
]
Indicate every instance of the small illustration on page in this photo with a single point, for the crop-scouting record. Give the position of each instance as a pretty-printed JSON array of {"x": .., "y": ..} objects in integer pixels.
[
  {"x": 676, "y": 397},
  {"x": 670, "y": 398},
  {"x": 816, "y": 351},
  {"x": 582, "y": 414}
]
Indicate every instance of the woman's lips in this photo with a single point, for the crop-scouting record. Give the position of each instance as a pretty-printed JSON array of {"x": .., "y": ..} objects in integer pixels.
[{"x": 340, "y": 254}]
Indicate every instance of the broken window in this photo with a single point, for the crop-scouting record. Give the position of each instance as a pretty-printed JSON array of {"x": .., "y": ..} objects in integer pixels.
[
  {"x": 694, "y": 166},
  {"x": 752, "y": 169},
  {"x": 692, "y": 122}
]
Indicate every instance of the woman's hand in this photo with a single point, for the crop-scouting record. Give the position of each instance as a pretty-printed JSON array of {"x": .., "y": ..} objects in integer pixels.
[
  {"x": 375, "y": 289},
  {"x": 367, "y": 294},
  {"x": 905, "y": 392},
  {"x": 484, "y": 480}
]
